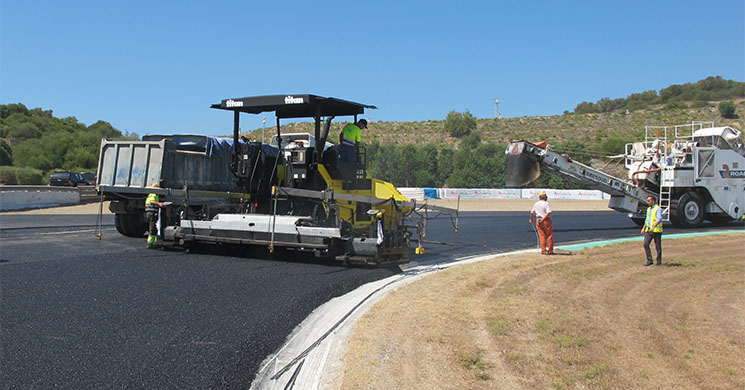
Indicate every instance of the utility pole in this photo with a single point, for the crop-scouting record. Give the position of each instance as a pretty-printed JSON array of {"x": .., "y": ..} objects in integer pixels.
[{"x": 263, "y": 125}]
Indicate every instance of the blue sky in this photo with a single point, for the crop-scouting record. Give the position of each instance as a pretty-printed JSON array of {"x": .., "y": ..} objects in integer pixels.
[{"x": 156, "y": 66}]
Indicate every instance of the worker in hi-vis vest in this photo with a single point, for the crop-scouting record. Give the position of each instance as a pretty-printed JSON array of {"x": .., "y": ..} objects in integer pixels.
[
  {"x": 652, "y": 230},
  {"x": 349, "y": 141},
  {"x": 152, "y": 205}
]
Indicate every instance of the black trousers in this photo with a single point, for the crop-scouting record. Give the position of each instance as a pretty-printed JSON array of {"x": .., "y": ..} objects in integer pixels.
[{"x": 657, "y": 237}]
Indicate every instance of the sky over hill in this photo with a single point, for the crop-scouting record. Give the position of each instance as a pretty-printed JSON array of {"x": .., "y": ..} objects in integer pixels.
[{"x": 155, "y": 67}]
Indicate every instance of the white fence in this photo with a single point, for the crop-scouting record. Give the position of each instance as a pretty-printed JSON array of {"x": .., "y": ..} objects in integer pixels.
[{"x": 498, "y": 193}]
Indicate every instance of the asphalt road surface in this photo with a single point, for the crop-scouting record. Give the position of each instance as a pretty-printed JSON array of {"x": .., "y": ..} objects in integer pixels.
[{"x": 78, "y": 312}]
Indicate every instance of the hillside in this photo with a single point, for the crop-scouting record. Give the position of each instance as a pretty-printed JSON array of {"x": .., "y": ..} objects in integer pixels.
[
  {"x": 587, "y": 128},
  {"x": 34, "y": 142}
]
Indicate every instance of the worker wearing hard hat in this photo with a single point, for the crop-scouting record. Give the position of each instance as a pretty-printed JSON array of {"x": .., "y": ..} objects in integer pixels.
[
  {"x": 542, "y": 212},
  {"x": 152, "y": 206},
  {"x": 349, "y": 141}
]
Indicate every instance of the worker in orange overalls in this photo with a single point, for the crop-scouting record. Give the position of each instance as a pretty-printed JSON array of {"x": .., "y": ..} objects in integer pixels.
[{"x": 542, "y": 211}]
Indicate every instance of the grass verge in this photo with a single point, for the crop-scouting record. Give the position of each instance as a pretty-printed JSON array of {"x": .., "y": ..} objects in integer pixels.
[{"x": 595, "y": 319}]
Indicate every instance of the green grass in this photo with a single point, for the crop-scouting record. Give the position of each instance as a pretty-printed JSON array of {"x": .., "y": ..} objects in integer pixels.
[
  {"x": 499, "y": 326},
  {"x": 569, "y": 341}
]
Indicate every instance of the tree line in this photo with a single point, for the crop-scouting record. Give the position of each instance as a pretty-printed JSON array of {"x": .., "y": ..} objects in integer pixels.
[
  {"x": 712, "y": 88},
  {"x": 33, "y": 143},
  {"x": 474, "y": 164}
]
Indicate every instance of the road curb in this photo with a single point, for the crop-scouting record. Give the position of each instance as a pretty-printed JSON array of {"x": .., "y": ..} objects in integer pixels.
[{"x": 312, "y": 356}]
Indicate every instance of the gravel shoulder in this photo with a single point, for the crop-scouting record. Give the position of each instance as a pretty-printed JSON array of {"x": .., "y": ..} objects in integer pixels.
[{"x": 78, "y": 209}]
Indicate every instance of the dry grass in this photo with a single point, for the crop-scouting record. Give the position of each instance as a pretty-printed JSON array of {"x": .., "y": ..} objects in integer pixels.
[
  {"x": 594, "y": 319},
  {"x": 586, "y": 128}
]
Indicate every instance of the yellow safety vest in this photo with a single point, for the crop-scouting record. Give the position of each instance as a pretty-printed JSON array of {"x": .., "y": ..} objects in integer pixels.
[
  {"x": 652, "y": 222},
  {"x": 154, "y": 198}
]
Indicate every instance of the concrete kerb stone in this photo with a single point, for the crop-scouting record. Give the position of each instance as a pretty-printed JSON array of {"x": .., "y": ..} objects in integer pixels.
[
  {"x": 312, "y": 356},
  {"x": 595, "y": 244}
]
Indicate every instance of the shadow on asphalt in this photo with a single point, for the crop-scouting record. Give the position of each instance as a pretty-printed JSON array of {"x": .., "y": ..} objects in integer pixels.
[{"x": 280, "y": 255}]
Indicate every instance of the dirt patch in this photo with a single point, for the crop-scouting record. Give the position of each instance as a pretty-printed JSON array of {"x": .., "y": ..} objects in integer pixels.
[{"x": 592, "y": 319}]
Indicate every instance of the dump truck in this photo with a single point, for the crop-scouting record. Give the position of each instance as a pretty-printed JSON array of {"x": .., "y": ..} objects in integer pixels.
[
  {"x": 696, "y": 171},
  {"x": 291, "y": 195}
]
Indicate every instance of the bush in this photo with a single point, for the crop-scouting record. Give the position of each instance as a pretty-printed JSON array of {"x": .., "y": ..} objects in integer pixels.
[
  {"x": 727, "y": 109},
  {"x": 701, "y": 104},
  {"x": 460, "y": 124},
  {"x": 8, "y": 176},
  {"x": 675, "y": 105},
  {"x": 613, "y": 145},
  {"x": 22, "y": 176},
  {"x": 30, "y": 177},
  {"x": 471, "y": 141}
]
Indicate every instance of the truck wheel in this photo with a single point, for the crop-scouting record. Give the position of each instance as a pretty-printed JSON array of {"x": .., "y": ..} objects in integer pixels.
[
  {"x": 130, "y": 225},
  {"x": 689, "y": 212}
]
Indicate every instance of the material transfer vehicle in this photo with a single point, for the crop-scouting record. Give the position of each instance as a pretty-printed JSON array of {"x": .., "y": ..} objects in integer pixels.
[{"x": 696, "y": 171}]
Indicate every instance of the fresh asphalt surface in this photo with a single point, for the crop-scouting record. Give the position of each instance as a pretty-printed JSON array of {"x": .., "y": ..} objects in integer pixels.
[{"x": 76, "y": 312}]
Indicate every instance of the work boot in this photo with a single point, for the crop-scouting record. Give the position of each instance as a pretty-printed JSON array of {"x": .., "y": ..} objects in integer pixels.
[
  {"x": 658, "y": 263},
  {"x": 648, "y": 264}
]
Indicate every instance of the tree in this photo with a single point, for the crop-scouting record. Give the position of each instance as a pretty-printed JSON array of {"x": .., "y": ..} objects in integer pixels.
[
  {"x": 105, "y": 129},
  {"x": 7, "y": 109},
  {"x": 471, "y": 141},
  {"x": 460, "y": 124},
  {"x": 614, "y": 145},
  {"x": 727, "y": 109},
  {"x": 6, "y": 154}
]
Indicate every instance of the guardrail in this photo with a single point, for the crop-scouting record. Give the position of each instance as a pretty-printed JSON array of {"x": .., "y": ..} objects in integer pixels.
[{"x": 14, "y": 197}]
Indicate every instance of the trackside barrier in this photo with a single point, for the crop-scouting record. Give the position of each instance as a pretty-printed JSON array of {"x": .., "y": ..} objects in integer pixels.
[
  {"x": 532, "y": 193},
  {"x": 31, "y": 197},
  {"x": 416, "y": 193}
]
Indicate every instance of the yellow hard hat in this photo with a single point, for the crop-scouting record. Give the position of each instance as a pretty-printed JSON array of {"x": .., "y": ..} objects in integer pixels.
[{"x": 542, "y": 193}]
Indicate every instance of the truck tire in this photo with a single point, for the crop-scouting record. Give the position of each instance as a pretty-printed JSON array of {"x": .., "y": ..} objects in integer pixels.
[
  {"x": 689, "y": 211},
  {"x": 130, "y": 225}
]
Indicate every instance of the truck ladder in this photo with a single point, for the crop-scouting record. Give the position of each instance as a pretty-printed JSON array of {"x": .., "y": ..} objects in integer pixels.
[{"x": 665, "y": 202}]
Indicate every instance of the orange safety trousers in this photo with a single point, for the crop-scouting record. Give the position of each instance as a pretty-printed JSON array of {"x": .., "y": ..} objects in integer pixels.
[{"x": 546, "y": 235}]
